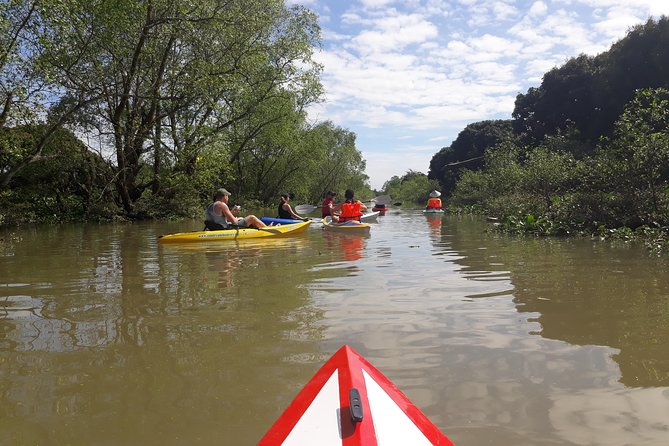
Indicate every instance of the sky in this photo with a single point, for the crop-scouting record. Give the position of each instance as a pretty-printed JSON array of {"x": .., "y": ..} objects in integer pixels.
[{"x": 406, "y": 76}]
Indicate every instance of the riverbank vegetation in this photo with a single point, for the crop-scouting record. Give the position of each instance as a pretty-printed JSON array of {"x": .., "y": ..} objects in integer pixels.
[
  {"x": 586, "y": 152},
  {"x": 140, "y": 109},
  {"x": 412, "y": 187}
]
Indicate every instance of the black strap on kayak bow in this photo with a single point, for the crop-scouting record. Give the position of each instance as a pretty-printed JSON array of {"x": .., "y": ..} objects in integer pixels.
[{"x": 355, "y": 405}]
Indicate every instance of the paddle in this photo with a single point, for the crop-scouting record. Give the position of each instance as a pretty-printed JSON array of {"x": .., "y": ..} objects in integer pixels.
[
  {"x": 272, "y": 230},
  {"x": 267, "y": 229},
  {"x": 382, "y": 199},
  {"x": 305, "y": 208}
]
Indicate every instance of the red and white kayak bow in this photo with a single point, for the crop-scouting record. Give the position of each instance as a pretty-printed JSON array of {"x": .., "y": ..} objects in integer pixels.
[{"x": 348, "y": 403}]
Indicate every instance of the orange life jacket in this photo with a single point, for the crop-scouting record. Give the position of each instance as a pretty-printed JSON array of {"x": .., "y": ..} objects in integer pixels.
[
  {"x": 434, "y": 203},
  {"x": 350, "y": 211}
]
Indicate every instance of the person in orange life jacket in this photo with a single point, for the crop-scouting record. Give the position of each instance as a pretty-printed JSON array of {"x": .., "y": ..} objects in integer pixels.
[
  {"x": 219, "y": 215},
  {"x": 350, "y": 209},
  {"x": 327, "y": 208},
  {"x": 434, "y": 202},
  {"x": 286, "y": 211}
]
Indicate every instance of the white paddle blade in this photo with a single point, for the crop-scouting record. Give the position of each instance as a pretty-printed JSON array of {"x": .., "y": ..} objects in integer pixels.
[
  {"x": 304, "y": 208},
  {"x": 382, "y": 199}
]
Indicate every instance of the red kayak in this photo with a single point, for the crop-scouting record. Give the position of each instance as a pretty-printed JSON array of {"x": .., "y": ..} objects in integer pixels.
[
  {"x": 380, "y": 208},
  {"x": 348, "y": 403}
]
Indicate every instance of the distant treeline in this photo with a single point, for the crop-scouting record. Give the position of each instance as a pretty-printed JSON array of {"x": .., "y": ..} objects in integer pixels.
[
  {"x": 587, "y": 150},
  {"x": 141, "y": 108}
]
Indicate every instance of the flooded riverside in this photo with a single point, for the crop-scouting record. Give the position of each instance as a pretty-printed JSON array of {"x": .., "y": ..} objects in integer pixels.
[{"x": 108, "y": 337}]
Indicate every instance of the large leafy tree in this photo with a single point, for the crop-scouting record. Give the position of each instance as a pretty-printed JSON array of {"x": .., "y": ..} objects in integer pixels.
[
  {"x": 638, "y": 158},
  {"x": 565, "y": 98},
  {"x": 587, "y": 94},
  {"x": 26, "y": 88},
  {"x": 163, "y": 79},
  {"x": 334, "y": 161},
  {"x": 467, "y": 151},
  {"x": 412, "y": 187}
]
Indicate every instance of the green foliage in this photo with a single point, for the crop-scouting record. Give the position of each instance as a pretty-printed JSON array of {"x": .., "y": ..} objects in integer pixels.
[
  {"x": 67, "y": 182},
  {"x": 183, "y": 97},
  {"x": 467, "y": 152},
  {"x": 501, "y": 178},
  {"x": 412, "y": 187},
  {"x": 638, "y": 156},
  {"x": 589, "y": 93},
  {"x": 545, "y": 190},
  {"x": 588, "y": 151},
  {"x": 548, "y": 175},
  {"x": 530, "y": 224},
  {"x": 331, "y": 161}
]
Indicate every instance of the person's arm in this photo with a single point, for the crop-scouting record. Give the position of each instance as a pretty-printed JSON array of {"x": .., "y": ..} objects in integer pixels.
[
  {"x": 289, "y": 208},
  {"x": 362, "y": 206},
  {"x": 225, "y": 211}
]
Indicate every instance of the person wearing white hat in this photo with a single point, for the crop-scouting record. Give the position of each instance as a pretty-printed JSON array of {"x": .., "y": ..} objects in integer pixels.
[{"x": 434, "y": 202}]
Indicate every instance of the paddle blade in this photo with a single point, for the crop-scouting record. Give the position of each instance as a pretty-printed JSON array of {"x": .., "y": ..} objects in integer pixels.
[
  {"x": 304, "y": 208},
  {"x": 382, "y": 199}
]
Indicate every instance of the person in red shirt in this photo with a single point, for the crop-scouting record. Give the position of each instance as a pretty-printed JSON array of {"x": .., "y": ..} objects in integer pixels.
[{"x": 328, "y": 204}]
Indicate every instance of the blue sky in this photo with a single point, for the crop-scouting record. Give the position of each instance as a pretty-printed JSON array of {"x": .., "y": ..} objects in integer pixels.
[{"x": 408, "y": 75}]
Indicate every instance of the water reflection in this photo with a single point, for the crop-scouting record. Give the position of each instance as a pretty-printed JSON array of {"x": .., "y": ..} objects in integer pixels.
[
  {"x": 350, "y": 246},
  {"x": 586, "y": 292},
  {"x": 113, "y": 323},
  {"x": 108, "y": 337},
  {"x": 434, "y": 221}
]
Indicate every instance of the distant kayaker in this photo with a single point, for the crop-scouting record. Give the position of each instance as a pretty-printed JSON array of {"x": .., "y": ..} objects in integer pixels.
[
  {"x": 434, "y": 202},
  {"x": 350, "y": 209},
  {"x": 219, "y": 215},
  {"x": 286, "y": 211},
  {"x": 328, "y": 204}
]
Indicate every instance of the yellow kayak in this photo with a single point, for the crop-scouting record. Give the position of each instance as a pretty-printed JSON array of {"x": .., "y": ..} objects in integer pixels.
[
  {"x": 234, "y": 234},
  {"x": 350, "y": 227}
]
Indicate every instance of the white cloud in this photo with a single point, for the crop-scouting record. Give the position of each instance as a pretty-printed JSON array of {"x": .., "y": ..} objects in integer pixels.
[
  {"x": 430, "y": 67},
  {"x": 383, "y": 166},
  {"x": 538, "y": 9},
  {"x": 393, "y": 33},
  {"x": 301, "y": 2},
  {"x": 373, "y": 4}
]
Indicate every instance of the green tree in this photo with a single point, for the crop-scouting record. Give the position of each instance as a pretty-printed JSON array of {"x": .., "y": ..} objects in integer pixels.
[
  {"x": 169, "y": 78},
  {"x": 67, "y": 181},
  {"x": 638, "y": 158},
  {"x": 26, "y": 88},
  {"x": 589, "y": 93},
  {"x": 333, "y": 162},
  {"x": 412, "y": 187},
  {"x": 565, "y": 99},
  {"x": 467, "y": 151}
]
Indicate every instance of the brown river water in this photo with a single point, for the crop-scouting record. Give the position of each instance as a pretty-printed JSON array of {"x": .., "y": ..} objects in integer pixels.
[{"x": 109, "y": 338}]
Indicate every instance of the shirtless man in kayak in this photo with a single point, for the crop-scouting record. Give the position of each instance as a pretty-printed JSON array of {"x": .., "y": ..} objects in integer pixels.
[{"x": 219, "y": 215}]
